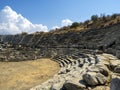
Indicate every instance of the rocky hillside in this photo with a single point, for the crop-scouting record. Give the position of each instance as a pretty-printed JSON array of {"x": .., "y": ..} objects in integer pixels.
[{"x": 105, "y": 39}]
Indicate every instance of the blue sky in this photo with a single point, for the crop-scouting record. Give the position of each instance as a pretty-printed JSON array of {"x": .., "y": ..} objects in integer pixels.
[{"x": 52, "y": 12}]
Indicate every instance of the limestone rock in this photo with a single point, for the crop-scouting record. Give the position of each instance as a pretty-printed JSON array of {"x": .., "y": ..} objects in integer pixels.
[
  {"x": 93, "y": 79},
  {"x": 117, "y": 69},
  {"x": 57, "y": 86},
  {"x": 71, "y": 86},
  {"x": 103, "y": 69},
  {"x": 118, "y": 53},
  {"x": 115, "y": 84},
  {"x": 114, "y": 64},
  {"x": 99, "y": 68}
]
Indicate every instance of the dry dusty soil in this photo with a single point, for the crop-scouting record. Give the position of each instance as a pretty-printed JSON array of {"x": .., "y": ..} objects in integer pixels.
[{"x": 26, "y": 74}]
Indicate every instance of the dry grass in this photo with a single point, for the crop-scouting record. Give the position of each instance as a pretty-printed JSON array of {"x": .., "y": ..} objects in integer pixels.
[{"x": 26, "y": 74}]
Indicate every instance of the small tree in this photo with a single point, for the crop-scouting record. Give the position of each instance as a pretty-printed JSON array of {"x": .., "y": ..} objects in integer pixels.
[
  {"x": 87, "y": 21},
  {"x": 94, "y": 17},
  {"x": 102, "y": 16},
  {"x": 114, "y": 16},
  {"x": 74, "y": 25}
]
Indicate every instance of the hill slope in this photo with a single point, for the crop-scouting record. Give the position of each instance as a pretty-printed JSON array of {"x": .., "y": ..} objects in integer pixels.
[{"x": 105, "y": 38}]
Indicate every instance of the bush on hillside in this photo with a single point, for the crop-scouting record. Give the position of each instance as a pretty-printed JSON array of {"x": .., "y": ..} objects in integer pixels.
[
  {"x": 114, "y": 16},
  {"x": 74, "y": 25},
  {"x": 94, "y": 17}
]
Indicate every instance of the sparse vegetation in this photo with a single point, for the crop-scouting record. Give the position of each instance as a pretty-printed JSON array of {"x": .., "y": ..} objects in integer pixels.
[
  {"x": 114, "y": 16},
  {"x": 74, "y": 25},
  {"x": 94, "y": 22},
  {"x": 94, "y": 17}
]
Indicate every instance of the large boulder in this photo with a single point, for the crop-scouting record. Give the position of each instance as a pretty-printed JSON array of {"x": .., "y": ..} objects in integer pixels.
[
  {"x": 71, "y": 86},
  {"x": 103, "y": 69},
  {"x": 114, "y": 64},
  {"x": 115, "y": 84},
  {"x": 93, "y": 78},
  {"x": 99, "y": 68}
]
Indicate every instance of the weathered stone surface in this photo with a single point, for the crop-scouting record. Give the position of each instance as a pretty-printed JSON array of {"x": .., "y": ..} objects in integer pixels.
[
  {"x": 118, "y": 53},
  {"x": 117, "y": 69},
  {"x": 100, "y": 88},
  {"x": 57, "y": 86},
  {"x": 99, "y": 68},
  {"x": 114, "y": 64},
  {"x": 93, "y": 79},
  {"x": 71, "y": 86},
  {"x": 103, "y": 69},
  {"x": 115, "y": 84}
]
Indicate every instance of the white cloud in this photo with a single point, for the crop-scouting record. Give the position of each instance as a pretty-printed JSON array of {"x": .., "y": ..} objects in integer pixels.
[
  {"x": 55, "y": 27},
  {"x": 66, "y": 22},
  {"x": 13, "y": 23}
]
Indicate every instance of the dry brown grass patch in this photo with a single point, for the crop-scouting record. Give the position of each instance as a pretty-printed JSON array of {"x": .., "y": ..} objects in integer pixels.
[{"x": 26, "y": 74}]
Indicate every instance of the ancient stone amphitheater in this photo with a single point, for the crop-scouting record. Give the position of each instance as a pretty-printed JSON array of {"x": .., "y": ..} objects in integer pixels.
[{"x": 89, "y": 59}]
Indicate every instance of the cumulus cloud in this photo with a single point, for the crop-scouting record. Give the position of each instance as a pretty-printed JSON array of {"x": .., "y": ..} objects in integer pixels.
[
  {"x": 66, "y": 22},
  {"x": 55, "y": 27},
  {"x": 13, "y": 23}
]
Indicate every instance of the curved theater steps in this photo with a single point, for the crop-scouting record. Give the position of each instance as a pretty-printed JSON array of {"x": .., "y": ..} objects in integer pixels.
[{"x": 75, "y": 67}]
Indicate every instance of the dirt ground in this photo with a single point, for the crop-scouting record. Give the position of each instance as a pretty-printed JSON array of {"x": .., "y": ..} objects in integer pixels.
[{"x": 26, "y": 74}]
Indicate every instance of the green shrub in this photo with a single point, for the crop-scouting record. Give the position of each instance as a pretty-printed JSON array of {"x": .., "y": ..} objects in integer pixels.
[
  {"x": 74, "y": 25},
  {"x": 94, "y": 17}
]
